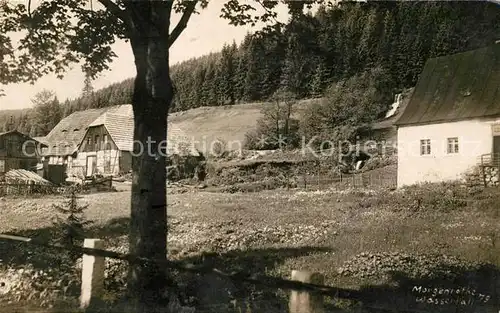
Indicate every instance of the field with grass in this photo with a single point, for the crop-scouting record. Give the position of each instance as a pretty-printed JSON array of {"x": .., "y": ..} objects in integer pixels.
[
  {"x": 357, "y": 239},
  {"x": 227, "y": 123}
]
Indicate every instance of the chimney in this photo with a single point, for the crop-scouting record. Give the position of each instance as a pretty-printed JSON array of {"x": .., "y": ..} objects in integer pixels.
[{"x": 10, "y": 125}]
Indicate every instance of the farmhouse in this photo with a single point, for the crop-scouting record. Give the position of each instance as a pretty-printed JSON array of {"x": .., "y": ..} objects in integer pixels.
[
  {"x": 100, "y": 141},
  {"x": 62, "y": 145},
  {"x": 18, "y": 151},
  {"x": 452, "y": 121},
  {"x": 107, "y": 144}
]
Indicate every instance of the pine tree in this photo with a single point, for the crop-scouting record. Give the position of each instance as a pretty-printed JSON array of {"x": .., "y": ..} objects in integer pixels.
[
  {"x": 293, "y": 67},
  {"x": 66, "y": 108},
  {"x": 369, "y": 41},
  {"x": 226, "y": 74},
  {"x": 88, "y": 89},
  {"x": 241, "y": 68},
  {"x": 320, "y": 79},
  {"x": 387, "y": 40},
  {"x": 71, "y": 220},
  {"x": 253, "y": 77},
  {"x": 209, "y": 85}
]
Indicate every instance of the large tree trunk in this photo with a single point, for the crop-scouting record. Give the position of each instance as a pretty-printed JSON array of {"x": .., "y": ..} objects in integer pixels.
[{"x": 152, "y": 97}]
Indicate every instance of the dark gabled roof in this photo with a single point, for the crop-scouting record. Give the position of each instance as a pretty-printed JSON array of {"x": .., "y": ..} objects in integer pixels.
[
  {"x": 23, "y": 135},
  {"x": 456, "y": 87}
]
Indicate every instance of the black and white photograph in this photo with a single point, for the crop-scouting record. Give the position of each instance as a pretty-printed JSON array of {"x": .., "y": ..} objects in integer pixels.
[{"x": 249, "y": 156}]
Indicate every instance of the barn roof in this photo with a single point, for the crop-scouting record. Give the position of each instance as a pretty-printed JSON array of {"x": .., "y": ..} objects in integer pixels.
[
  {"x": 41, "y": 139},
  {"x": 24, "y": 135},
  {"x": 65, "y": 137},
  {"x": 119, "y": 122},
  {"x": 456, "y": 87},
  {"x": 120, "y": 129},
  {"x": 22, "y": 176}
]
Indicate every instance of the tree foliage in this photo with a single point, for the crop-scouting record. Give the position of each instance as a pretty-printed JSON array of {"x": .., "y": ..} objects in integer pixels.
[
  {"x": 58, "y": 34},
  {"x": 398, "y": 37},
  {"x": 47, "y": 112},
  {"x": 278, "y": 126},
  {"x": 349, "y": 105}
]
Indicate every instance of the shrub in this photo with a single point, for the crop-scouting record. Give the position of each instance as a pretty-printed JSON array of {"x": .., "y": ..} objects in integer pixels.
[
  {"x": 378, "y": 162},
  {"x": 442, "y": 197},
  {"x": 219, "y": 148},
  {"x": 348, "y": 106},
  {"x": 276, "y": 129}
]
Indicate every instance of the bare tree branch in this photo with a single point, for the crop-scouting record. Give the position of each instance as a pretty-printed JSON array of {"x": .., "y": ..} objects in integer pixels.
[{"x": 182, "y": 24}]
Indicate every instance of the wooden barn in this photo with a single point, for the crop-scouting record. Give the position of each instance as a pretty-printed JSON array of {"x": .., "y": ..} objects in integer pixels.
[{"x": 18, "y": 151}]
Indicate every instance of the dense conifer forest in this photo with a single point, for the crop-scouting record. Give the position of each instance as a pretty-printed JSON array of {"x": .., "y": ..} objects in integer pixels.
[{"x": 305, "y": 57}]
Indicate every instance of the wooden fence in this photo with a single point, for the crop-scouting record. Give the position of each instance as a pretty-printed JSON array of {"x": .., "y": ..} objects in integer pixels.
[
  {"x": 307, "y": 289},
  {"x": 23, "y": 189},
  {"x": 357, "y": 180}
]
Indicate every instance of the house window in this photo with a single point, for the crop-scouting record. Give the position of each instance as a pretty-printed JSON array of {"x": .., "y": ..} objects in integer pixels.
[
  {"x": 105, "y": 141},
  {"x": 96, "y": 140},
  {"x": 425, "y": 147},
  {"x": 453, "y": 145},
  {"x": 89, "y": 141}
]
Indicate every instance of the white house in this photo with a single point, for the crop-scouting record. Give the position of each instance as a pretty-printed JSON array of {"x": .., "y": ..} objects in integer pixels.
[{"x": 452, "y": 121}]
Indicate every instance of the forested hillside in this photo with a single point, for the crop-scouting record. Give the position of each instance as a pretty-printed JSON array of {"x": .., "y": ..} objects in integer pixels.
[{"x": 311, "y": 52}]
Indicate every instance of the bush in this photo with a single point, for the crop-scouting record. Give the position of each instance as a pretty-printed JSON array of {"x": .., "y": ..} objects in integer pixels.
[
  {"x": 378, "y": 162},
  {"x": 348, "y": 106},
  {"x": 219, "y": 148},
  {"x": 430, "y": 197}
]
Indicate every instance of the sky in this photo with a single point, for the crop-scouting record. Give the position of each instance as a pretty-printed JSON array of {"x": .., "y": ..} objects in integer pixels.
[{"x": 206, "y": 32}]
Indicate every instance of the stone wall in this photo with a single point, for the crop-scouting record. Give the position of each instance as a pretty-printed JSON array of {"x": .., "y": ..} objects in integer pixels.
[{"x": 476, "y": 176}]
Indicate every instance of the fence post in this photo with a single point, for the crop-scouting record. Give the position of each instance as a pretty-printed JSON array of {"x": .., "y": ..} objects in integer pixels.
[
  {"x": 92, "y": 274},
  {"x": 303, "y": 301},
  {"x": 319, "y": 183}
]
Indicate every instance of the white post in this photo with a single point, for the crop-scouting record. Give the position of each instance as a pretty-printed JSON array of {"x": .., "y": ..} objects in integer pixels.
[
  {"x": 303, "y": 301},
  {"x": 92, "y": 273}
]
